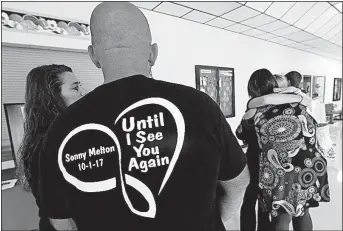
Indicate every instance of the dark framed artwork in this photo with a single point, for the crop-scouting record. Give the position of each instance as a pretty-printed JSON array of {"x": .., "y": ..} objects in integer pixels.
[
  {"x": 206, "y": 81},
  {"x": 337, "y": 89},
  {"x": 14, "y": 113},
  {"x": 306, "y": 85},
  {"x": 218, "y": 83},
  {"x": 318, "y": 89}
]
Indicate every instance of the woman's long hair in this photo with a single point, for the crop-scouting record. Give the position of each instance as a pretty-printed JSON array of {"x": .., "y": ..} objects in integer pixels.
[
  {"x": 43, "y": 102},
  {"x": 261, "y": 82}
]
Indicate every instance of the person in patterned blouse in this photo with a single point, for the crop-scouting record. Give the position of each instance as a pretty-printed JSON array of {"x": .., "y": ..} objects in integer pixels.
[{"x": 292, "y": 168}]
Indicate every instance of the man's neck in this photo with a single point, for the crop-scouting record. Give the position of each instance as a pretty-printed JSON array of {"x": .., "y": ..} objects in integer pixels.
[{"x": 113, "y": 75}]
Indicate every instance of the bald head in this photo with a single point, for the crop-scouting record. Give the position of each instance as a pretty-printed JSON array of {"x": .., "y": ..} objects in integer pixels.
[
  {"x": 121, "y": 41},
  {"x": 119, "y": 24}
]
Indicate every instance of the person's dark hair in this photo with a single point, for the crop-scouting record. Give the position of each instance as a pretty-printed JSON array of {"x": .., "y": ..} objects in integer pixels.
[
  {"x": 261, "y": 82},
  {"x": 43, "y": 102},
  {"x": 294, "y": 78}
]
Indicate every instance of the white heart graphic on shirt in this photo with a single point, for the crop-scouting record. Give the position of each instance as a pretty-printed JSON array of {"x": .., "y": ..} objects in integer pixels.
[
  {"x": 98, "y": 186},
  {"x": 133, "y": 182},
  {"x": 180, "y": 129}
]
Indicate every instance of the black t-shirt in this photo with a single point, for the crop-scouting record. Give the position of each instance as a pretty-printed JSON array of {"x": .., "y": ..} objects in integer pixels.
[{"x": 138, "y": 154}]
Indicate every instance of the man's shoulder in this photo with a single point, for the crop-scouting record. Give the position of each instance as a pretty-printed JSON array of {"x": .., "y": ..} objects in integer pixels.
[
  {"x": 58, "y": 126},
  {"x": 175, "y": 86}
]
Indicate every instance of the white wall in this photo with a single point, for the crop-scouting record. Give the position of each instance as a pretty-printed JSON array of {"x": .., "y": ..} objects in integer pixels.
[{"x": 184, "y": 44}]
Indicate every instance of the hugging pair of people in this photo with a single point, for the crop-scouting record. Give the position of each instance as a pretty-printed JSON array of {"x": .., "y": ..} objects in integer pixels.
[{"x": 286, "y": 153}]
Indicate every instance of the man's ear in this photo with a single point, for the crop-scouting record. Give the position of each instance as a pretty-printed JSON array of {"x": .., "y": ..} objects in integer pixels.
[
  {"x": 93, "y": 56},
  {"x": 153, "y": 54}
]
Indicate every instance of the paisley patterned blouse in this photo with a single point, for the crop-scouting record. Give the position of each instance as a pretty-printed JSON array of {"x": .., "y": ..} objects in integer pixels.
[{"x": 292, "y": 169}]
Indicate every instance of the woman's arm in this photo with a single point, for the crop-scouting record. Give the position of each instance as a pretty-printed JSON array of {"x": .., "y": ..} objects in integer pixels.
[
  {"x": 249, "y": 114},
  {"x": 276, "y": 99},
  {"x": 63, "y": 224},
  {"x": 230, "y": 194},
  {"x": 287, "y": 90}
]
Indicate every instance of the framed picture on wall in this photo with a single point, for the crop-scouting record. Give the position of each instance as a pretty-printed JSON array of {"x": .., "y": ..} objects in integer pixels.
[
  {"x": 218, "y": 83},
  {"x": 337, "y": 89},
  {"x": 226, "y": 91},
  {"x": 306, "y": 85},
  {"x": 207, "y": 81},
  {"x": 15, "y": 124},
  {"x": 318, "y": 88}
]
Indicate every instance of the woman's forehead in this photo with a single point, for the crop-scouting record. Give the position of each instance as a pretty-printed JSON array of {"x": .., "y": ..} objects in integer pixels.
[{"x": 69, "y": 78}]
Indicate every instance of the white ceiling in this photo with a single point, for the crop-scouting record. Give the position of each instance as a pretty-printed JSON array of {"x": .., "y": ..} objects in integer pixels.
[{"x": 314, "y": 27}]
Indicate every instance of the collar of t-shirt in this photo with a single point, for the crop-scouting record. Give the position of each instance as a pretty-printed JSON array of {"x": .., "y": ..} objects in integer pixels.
[{"x": 123, "y": 80}]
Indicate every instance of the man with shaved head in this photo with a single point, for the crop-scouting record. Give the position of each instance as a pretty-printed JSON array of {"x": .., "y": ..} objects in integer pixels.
[
  {"x": 121, "y": 41},
  {"x": 138, "y": 153}
]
